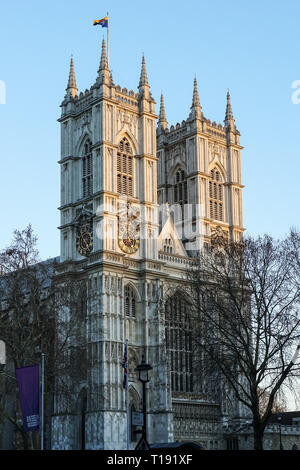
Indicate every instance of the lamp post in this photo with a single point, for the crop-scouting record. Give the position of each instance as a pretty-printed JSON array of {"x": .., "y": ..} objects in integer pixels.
[{"x": 143, "y": 370}]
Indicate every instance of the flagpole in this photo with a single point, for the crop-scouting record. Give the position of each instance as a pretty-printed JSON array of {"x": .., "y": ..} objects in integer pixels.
[
  {"x": 127, "y": 399},
  {"x": 107, "y": 40},
  {"x": 42, "y": 410}
]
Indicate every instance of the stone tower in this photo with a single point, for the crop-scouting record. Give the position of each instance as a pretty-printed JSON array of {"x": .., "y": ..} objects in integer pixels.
[
  {"x": 109, "y": 238},
  {"x": 123, "y": 182},
  {"x": 200, "y": 167},
  {"x": 108, "y": 149}
]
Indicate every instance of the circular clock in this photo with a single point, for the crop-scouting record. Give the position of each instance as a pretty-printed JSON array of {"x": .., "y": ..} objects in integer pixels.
[
  {"x": 84, "y": 243},
  {"x": 128, "y": 241}
]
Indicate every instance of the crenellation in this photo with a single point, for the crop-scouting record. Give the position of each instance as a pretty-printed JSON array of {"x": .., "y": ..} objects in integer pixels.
[
  {"x": 124, "y": 99},
  {"x": 220, "y": 133}
]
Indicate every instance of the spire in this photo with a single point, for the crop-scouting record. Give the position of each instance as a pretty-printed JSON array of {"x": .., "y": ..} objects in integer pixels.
[
  {"x": 143, "y": 77},
  {"x": 196, "y": 109},
  {"x": 162, "y": 121},
  {"x": 72, "y": 87},
  {"x": 196, "y": 101},
  {"x": 229, "y": 120},
  {"x": 103, "y": 61},
  {"x": 228, "y": 115}
]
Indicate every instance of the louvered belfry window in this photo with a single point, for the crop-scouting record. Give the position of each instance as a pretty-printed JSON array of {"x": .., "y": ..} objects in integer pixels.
[
  {"x": 125, "y": 168},
  {"x": 216, "y": 202},
  {"x": 87, "y": 169}
]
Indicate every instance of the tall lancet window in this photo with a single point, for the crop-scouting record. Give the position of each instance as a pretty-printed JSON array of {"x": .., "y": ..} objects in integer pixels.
[
  {"x": 216, "y": 198},
  {"x": 130, "y": 310},
  {"x": 180, "y": 188},
  {"x": 87, "y": 169},
  {"x": 179, "y": 343},
  {"x": 125, "y": 168}
]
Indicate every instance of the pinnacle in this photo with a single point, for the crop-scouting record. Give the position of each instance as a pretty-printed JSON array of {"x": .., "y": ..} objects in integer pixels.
[
  {"x": 103, "y": 61},
  {"x": 72, "y": 81},
  {"x": 143, "y": 77},
  {"x": 162, "y": 112},
  {"x": 229, "y": 114},
  {"x": 196, "y": 101}
]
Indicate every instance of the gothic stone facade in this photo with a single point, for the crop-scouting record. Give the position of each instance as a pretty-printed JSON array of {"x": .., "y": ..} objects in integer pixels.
[{"x": 118, "y": 169}]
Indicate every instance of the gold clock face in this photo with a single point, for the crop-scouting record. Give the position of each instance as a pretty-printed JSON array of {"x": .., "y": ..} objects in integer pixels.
[
  {"x": 128, "y": 241},
  {"x": 84, "y": 241}
]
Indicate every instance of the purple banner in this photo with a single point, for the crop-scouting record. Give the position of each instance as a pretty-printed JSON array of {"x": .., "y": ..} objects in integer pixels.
[{"x": 29, "y": 389}]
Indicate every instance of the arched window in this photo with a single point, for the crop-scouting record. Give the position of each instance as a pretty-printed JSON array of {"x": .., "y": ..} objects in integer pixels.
[
  {"x": 180, "y": 188},
  {"x": 168, "y": 245},
  {"x": 216, "y": 202},
  {"x": 125, "y": 168},
  {"x": 87, "y": 169},
  {"x": 179, "y": 343},
  {"x": 130, "y": 304}
]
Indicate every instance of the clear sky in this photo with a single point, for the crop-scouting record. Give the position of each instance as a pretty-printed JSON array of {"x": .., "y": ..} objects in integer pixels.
[{"x": 252, "y": 48}]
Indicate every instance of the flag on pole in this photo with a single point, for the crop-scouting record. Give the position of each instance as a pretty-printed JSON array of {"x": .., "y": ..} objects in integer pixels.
[
  {"x": 103, "y": 22},
  {"x": 29, "y": 390},
  {"x": 125, "y": 366}
]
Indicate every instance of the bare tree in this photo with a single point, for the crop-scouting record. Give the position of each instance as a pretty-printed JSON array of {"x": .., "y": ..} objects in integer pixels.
[
  {"x": 41, "y": 314},
  {"x": 244, "y": 306},
  {"x": 279, "y": 404}
]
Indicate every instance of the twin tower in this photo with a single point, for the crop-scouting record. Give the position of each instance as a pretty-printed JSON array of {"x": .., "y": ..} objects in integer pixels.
[
  {"x": 138, "y": 199},
  {"x": 196, "y": 163}
]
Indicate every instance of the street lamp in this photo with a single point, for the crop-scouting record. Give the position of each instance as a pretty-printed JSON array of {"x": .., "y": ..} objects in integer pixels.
[{"x": 143, "y": 370}]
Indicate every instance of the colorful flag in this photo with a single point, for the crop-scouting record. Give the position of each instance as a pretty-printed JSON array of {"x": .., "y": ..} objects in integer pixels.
[
  {"x": 29, "y": 390},
  {"x": 103, "y": 22},
  {"x": 125, "y": 365}
]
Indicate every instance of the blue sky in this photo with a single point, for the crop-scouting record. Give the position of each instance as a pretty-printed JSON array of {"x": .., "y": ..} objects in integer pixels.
[{"x": 252, "y": 48}]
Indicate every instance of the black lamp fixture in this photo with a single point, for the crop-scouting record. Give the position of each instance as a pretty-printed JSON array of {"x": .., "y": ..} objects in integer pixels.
[{"x": 143, "y": 370}]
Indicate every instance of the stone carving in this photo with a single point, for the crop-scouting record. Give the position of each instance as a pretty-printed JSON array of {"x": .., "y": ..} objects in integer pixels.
[
  {"x": 127, "y": 120},
  {"x": 84, "y": 122},
  {"x": 177, "y": 152}
]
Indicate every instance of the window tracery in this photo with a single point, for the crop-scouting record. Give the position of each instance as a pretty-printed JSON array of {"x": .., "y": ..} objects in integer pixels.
[{"x": 179, "y": 343}]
